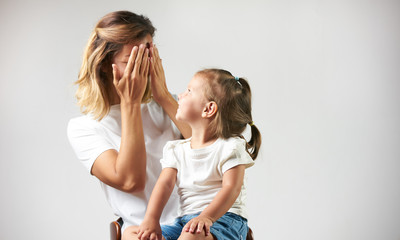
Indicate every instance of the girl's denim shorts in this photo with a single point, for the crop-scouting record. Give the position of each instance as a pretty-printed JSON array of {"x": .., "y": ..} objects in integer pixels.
[{"x": 228, "y": 227}]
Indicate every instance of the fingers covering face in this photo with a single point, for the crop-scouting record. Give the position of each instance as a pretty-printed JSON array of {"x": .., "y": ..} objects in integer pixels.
[
  {"x": 115, "y": 74},
  {"x": 156, "y": 65},
  {"x": 138, "y": 62},
  {"x": 145, "y": 63},
  {"x": 131, "y": 61}
]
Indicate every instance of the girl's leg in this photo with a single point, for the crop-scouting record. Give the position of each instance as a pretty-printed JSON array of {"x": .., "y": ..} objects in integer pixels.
[
  {"x": 130, "y": 233},
  {"x": 196, "y": 236}
]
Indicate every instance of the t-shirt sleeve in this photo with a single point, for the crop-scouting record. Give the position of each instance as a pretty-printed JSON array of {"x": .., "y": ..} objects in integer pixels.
[
  {"x": 236, "y": 155},
  {"x": 169, "y": 159},
  {"x": 87, "y": 141}
]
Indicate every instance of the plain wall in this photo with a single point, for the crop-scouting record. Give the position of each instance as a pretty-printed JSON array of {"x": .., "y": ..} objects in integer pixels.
[{"x": 325, "y": 80}]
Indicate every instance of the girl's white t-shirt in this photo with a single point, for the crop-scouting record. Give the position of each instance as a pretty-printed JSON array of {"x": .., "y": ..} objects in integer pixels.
[
  {"x": 89, "y": 138},
  {"x": 200, "y": 172}
]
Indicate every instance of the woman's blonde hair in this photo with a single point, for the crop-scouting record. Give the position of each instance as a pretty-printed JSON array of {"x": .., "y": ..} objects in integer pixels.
[
  {"x": 233, "y": 98},
  {"x": 109, "y": 36}
]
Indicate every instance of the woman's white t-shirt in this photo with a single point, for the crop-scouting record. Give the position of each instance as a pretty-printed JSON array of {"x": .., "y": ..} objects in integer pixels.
[
  {"x": 89, "y": 138},
  {"x": 200, "y": 172}
]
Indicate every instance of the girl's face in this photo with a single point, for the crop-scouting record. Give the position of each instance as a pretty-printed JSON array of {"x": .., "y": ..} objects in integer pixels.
[
  {"x": 193, "y": 101},
  {"x": 121, "y": 58}
]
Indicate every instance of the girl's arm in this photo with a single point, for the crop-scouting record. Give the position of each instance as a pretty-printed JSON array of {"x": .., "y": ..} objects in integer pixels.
[
  {"x": 161, "y": 94},
  {"x": 150, "y": 227},
  {"x": 232, "y": 182},
  {"x": 126, "y": 170}
]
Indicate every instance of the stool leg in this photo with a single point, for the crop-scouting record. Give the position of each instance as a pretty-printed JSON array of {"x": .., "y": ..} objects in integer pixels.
[
  {"x": 115, "y": 230},
  {"x": 249, "y": 235}
]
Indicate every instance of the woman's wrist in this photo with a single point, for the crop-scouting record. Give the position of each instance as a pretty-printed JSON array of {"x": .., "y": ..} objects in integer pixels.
[
  {"x": 130, "y": 104},
  {"x": 130, "y": 108}
]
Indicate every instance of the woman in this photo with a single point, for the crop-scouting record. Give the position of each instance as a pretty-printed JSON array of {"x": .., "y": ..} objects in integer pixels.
[{"x": 128, "y": 117}]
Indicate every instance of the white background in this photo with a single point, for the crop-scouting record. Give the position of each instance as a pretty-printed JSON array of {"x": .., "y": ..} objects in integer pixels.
[{"x": 325, "y": 77}]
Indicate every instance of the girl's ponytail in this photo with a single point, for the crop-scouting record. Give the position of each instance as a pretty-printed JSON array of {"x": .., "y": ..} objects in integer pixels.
[{"x": 255, "y": 141}]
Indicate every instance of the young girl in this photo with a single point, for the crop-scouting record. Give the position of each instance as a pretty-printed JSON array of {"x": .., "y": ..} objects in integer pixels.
[{"x": 209, "y": 167}]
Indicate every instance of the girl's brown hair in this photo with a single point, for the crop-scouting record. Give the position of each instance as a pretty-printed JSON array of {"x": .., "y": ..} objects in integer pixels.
[
  {"x": 109, "y": 36},
  {"x": 233, "y": 98}
]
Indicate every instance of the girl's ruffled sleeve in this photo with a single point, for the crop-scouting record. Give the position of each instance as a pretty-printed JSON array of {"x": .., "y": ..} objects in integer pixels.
[
  {"x": 235, "y": 154},
  {"x": 169, "y": 159}
]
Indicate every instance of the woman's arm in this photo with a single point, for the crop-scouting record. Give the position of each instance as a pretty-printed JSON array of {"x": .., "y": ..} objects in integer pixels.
[
  {"x": 126, "y": 169},
  {"x": 161, "y": 94},
  {"x": 159, "y": 198},
  {"x": 231, "y": 186}
]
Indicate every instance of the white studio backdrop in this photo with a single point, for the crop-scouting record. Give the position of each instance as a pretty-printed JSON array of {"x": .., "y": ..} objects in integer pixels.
[{"x": 325, "y": 80}]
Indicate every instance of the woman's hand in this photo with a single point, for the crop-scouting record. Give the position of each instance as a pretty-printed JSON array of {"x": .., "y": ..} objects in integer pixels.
[
  {"x": 150, "y": 229},
  {"x": 198, "y": 224},
  {"x": 158, "y": 84},
  {"x": 132, "y": 84}
]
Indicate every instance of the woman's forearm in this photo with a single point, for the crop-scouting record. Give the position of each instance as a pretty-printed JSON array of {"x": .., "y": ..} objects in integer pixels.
[
  {"x": 125, "y": 170},
  {"x": 131, "y": 161},
  {"x": 170, "y": 106}
]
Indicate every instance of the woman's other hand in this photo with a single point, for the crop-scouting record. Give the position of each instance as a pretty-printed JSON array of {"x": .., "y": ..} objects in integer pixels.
[{"x": 158, "y": 84}]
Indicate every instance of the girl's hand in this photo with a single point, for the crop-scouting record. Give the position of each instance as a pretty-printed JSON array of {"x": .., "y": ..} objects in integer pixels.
[
  {"x": 198, "y": 224},
  {"x": 132, "y": 84},
  {"x": 158, "y": 84},
  {"x": 150, "y": 229}
]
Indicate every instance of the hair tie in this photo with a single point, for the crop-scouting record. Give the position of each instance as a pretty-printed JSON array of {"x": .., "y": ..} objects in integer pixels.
[
  {"x": 237, "y": 80},
  {"x": 251, "y": 123}
]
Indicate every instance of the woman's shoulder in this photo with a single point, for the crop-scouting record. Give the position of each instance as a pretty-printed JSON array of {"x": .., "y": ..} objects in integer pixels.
[
  {"x": 82, "y": 120},
  {"x": 82, "y": 123}
]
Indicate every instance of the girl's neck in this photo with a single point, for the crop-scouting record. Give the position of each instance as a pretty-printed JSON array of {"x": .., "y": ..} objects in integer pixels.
[{"x": 201, "y": 138}]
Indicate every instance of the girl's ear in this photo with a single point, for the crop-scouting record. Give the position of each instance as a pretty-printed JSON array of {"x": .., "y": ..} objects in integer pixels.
[{"x": 210, "y": 110}]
